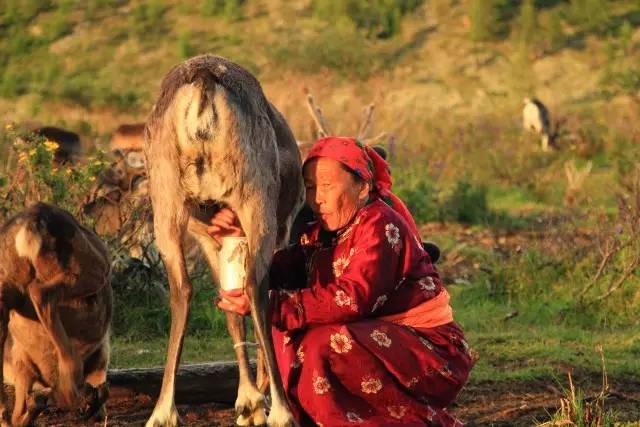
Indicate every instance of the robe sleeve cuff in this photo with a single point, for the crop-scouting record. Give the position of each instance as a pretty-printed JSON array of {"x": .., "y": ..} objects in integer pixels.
[{"x": 287, "y": 312}]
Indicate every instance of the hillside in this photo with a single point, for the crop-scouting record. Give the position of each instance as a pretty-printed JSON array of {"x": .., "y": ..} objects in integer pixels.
[{"x": 90, "y": 65}]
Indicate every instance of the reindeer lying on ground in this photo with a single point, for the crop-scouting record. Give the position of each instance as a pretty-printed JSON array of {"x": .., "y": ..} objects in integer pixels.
[
  {"x": 118, "y": 190},
  {"x": 55, "y": 311},
  {"x": 214, "y": 140},
  {"x": 128, "y": 137}
]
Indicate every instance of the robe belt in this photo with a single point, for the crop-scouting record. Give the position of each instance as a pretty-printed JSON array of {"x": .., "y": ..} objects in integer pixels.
[{"x": 429, "y": 314}]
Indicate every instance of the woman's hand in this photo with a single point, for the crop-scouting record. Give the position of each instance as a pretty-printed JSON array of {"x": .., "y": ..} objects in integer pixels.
[
  {"x": 224, "y": 223},
  {"x": 235, "y": 301}
]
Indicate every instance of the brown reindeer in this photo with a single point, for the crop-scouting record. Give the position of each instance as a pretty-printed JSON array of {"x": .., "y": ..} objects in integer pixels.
[
  {"x": 214, "y": 140},
  {"x": 128, "y": 137},
  {"x": 69, "y": 148},
  {"x": 118, "y": 191},
  {"x": 55, "y": 312}
]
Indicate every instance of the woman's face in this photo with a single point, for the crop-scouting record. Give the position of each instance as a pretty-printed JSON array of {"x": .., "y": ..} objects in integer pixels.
[{"x": 333, "y": 193}]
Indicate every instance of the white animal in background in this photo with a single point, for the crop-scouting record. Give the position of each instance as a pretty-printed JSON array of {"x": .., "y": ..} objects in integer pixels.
[{"x": 535, "y": 117}]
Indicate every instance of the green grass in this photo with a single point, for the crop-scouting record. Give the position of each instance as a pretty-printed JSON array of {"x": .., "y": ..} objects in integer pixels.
[
  {"x": 128, "y": 353},
  {"x": 535, "y": 344}
]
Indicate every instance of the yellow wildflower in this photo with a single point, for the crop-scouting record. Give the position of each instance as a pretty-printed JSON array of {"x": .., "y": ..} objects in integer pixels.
[
  {"x": 51, "y": 145},
  {"x": 92, "y": 178},
  {"x": 8, "y": 126},
  {"x": 22, "y": 157},
  {"x": 32, "y": 152},
  {"x": 67, "y": 171}
]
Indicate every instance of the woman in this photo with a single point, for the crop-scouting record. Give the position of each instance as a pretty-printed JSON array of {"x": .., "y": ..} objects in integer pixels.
[{"x": 362, "y": 328}]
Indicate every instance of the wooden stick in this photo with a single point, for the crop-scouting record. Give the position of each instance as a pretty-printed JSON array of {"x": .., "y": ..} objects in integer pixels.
[
  {"x": 366, "y": 123},
  {"x": 318, "y": 118}
]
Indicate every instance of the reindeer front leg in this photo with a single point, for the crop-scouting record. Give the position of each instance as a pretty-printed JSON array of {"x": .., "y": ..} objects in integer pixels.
[{"x": 45, "y": 302}]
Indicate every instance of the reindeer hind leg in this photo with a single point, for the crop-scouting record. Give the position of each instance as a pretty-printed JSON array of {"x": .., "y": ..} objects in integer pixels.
[
  {"x": 262, "y": 239},
  {"x": 249, "y": 404}
]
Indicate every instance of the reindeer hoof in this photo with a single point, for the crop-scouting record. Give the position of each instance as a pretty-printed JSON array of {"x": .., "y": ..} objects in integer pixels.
[
  {"x": 4, "y": 416},
  {"x": 249, "y": 401},
  {"x": 164, "y": 417},
  {"x": 280, "y": 416},
  {"x": 244, "y": 421},
  {"x": 257, "y": 418},
  {"x": 93, "y": 400}
]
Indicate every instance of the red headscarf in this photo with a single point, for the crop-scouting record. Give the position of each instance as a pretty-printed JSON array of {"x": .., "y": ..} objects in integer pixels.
[{"x": 367, "y": 164}]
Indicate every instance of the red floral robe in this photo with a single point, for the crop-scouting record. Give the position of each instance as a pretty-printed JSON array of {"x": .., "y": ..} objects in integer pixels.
[{"x": 341, "y": 365}]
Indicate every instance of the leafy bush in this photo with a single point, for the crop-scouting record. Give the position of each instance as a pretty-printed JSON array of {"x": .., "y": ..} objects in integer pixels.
[
  {"x": 377, "y": 18},
  {"x": 487, "y": 19},
  {"x": 555, "y": 38},
  {"x": 13, "y": 81},
  {"x": 589, "y": 15},
  {"x": 185, "y": 49},
  {"x": 93, "y": 7},
  {"x": 528, "y": 23},
  {"x": 32, "y": 175},
  {"x": 418, "y": 193},
  {"x": 229, "y": 9},
  {"x": 467, "y": 204},
  {"x": 147, "y": 18},
  {"x": 340, "y": 47}
]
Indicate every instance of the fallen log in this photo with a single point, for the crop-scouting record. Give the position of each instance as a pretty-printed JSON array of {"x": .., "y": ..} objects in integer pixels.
[{"x": 196, "y": 383}]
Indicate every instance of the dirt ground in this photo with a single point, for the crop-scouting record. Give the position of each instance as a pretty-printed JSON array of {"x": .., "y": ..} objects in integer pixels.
[{"x": 482, "y": 404}]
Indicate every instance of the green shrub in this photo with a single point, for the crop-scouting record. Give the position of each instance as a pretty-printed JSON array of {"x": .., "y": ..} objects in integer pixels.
[
  {"x": 14, "y": 81},
  {"x": 555, "y": 37},
  {"x": 466, "y": 204},
  {"x": 589, "y": 15},
  {"x": 528, "y": 24},
  {"x": 35, "y": 177},
  {"x": 20, "y": 12},
  {"x": 60, "y": 25},
  {"x": 417, "y": 191},
  {"x": 185, "y": 49},
  {"x": 229, "y": 9},
  {"x": 94, "y": 7},
  {"x": 377, "y": 18},
  {"x": 340, "y": 47},
  {"x": 147, "y": 18},
  {"x": 487, "y": 20}
]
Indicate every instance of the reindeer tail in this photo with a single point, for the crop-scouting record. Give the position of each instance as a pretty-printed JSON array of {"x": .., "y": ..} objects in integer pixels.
[{"x": 196, "y": 114}]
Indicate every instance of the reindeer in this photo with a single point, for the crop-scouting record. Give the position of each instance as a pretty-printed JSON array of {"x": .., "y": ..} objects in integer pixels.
[
  {"x": 55, "y": 312},
  {"x": 535, "y": 117},
  {"x": 213, "y": 139},
  {"x": 119, "y": 189},
  {"x": 69, "y": 148},
  {"x": 128, "y": 137}
]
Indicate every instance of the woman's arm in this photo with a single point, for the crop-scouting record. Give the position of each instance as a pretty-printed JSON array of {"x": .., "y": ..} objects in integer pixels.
[{"x": 288, "y": 268}]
